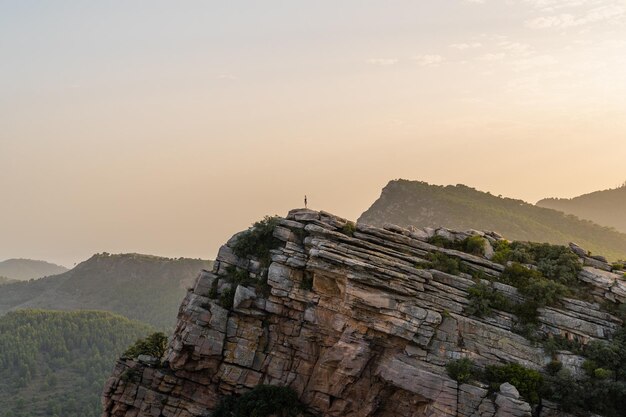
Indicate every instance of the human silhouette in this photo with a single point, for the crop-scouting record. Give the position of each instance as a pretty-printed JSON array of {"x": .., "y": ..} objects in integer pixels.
[{"x": 305, "y": 201}]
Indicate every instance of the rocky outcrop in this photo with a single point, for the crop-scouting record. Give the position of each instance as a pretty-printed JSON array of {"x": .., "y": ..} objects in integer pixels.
[{"x": 354, "y": 323}]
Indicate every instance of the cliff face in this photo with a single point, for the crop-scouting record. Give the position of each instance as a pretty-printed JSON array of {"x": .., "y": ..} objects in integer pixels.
[{"x": 354, "y": 325}]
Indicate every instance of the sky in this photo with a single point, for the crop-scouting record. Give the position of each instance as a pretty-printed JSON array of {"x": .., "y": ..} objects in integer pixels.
[{"x": 165, "y": 127}]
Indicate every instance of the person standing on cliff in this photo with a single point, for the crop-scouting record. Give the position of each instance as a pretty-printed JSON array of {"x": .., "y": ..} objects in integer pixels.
[{"x": 305, "y": 201}]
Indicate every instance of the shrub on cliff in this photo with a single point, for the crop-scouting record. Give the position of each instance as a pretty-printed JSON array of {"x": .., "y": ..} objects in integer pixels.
[
  {"x": 461, "y": 370},
  {"x": 153, "y": 345},
  {"x": 528, "y": 382},
  {"x": 348, "y": 229},
  {"x": 259, "y": 240},
  {"x": 474, "y": 245},
  {"x": 444, "y": 263},
  {"x": 537, "y": 291},
  {"x": 261, "y": 401},
  {"x": 483, "y": 299},
  {"x": 555, "y": 262}
]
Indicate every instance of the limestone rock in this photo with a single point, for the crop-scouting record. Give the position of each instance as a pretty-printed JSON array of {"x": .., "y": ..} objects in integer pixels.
[
  {"x": 509, "y": 391},
  {"x": 351, "y": 322}
]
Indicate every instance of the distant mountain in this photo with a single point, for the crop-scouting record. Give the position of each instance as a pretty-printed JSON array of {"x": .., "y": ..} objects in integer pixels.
[
  {"x": 5, "y": 280},
  {"x": 54, "y": 364},
  {"x": 140, "y": 287},
  {"x": 460, "y": 207},
  {"x": 607, "y": 207},
  {"x": 25, "y": 269}
]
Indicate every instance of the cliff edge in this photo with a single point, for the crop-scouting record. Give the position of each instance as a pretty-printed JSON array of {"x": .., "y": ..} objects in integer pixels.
[{"x": 358, "y": 322}]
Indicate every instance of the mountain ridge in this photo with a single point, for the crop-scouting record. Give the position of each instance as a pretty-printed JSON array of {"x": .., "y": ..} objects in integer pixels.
[
  {"x": 604, "y": 207},
  {"x": 461, "y": 207},
  {"x": 24, "y": 269},
  {"x": 141, "y": 287}
]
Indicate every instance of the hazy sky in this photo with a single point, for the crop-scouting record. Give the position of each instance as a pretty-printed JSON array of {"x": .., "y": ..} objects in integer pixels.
[{"x": 164, "y": 127}]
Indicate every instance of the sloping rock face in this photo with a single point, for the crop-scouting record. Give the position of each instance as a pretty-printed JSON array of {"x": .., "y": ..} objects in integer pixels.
[{"x": 353, "y": 324}]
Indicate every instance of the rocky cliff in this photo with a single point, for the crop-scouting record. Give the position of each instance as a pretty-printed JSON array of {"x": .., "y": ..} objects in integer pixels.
[{"x": 357, "y": 323}]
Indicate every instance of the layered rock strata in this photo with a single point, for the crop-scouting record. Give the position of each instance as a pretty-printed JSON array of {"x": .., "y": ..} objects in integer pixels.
[{"x": 355, "y": 323}]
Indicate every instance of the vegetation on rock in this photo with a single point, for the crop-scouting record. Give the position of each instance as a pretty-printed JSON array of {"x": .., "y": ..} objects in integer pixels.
[
  {"x": 602, "y": 388},
  {"x": 349, "y": 228},
  {"x": 258, "y": 240},
  {"x": 153, "y": 345},
  {"x": 261, "y": 401},
  {"x": 555, "y": 262},
  {"x": 483, "y": 299},
  {"x": 474, "y": 245},
  {"x": 528, "y": 382},
  {"x": 548, "y": 274},
  {"x": 461, "y": 370}
]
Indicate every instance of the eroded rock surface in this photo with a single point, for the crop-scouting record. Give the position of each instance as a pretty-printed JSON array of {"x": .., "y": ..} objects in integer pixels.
[{"x": 353, "y": 324}]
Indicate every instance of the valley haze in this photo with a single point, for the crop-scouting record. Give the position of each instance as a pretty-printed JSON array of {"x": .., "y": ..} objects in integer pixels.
[
  {"x": 161, "y": 130},
  {"x": 148, "y": 154}
]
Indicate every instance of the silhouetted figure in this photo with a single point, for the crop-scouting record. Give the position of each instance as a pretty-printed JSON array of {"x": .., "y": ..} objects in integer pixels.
[{"x": 305, "y": 201}]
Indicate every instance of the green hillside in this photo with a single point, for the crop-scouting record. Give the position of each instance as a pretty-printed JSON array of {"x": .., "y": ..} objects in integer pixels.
[
  {"x": 460, "y": 207},
  {"x": 141, "y": 287},
  {"x": 24, "y": 269},
  {"x": 54, "y": 364},
  {"x": 607, "y": 207}
]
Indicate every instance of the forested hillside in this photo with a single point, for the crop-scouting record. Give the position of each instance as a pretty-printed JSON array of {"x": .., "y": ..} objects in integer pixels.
[
  {"x": 141, "y": 287},
  {"x": 24, "y": 269},
  {"x": 607, "y": 207},
  {"x": 460, "y": 207},
  {"x": 54, "y": 364}
]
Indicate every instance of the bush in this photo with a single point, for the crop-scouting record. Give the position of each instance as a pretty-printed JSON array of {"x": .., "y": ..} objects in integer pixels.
[
  {"x": 555, "y": 262},
  {"x": 538, "y": 291},
  {"x": 562, "y": 388},
  {"x": 238, "y": 276},
  {"x": 262, "y": 401},
  {"x": 528, "y": 382},
  {"x": 461, "y": 370},
  {"x": 227, "y": 298},
  {"x": 483, "y": 298},
  {"x": 555, "y": 343},
  {"x": 597, "y": 394},
  {"x": 441, "y": 242},
  {"x": 444, "y": 263},
  {"x": 474, "y": 245},
  {"x": 554, "y": 367},
  {"x": 609, "y": 355},
  {"x": 348, "y": 229},
  {"x": 258, "y": 241},
  {"x": 501, "y": 252},
  {"x": 518, "y": 275},
  {"x": 153, "y": 345},
  {"x": 543, "y": 292}
]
